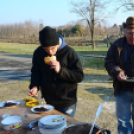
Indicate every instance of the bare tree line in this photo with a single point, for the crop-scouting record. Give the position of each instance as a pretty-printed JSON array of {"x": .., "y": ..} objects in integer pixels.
[
  {"x": 125, "y": 5},
  {"x": 93, "y": 12},
  {"x": 27, "y": 29},
  {"x": 31, "y": 29}
]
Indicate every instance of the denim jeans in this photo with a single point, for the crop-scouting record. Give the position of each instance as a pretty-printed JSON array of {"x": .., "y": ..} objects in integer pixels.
[
  {"x": 124, "y": 112},
  {"x": 70, "y": 111}
]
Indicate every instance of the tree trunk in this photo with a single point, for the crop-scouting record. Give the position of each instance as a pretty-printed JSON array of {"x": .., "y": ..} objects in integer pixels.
[{"x": 92, "y": 38}]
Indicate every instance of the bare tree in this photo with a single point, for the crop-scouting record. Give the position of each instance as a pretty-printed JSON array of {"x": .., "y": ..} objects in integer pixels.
[
  {"x": 125, "y": 5},
  {"x": 91, "y": 11}
]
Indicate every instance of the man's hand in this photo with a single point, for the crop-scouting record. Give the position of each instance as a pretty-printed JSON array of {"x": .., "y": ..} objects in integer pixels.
[
  {"x": 33, "y": 92},
  {"x": 55, "y": 65},
  {"x": 121, "y": 75}
]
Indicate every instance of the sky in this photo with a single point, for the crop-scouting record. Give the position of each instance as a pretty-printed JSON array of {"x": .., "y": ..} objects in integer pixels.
[{"x": 49, "y": 12}]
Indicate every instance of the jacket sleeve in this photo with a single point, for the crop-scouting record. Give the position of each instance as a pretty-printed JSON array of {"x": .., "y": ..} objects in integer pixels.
[
  {"x": 74, "y": 72},
  {"x": 111, "y": 64},
  {"x": 35, "y": 72}
]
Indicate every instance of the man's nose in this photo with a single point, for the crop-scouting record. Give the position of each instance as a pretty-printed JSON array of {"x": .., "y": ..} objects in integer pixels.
[{"x": 50, "y": 52}]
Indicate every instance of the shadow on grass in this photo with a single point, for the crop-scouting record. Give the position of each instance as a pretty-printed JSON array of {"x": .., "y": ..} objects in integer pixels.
[
  {"x": 92, "y": 63},
  {"x": 16, "y": 55},
  {"x": 97, "y": 78},
  {"x": 20, "y": 55},
  {"x": 100, "y": 85},
  {"x": 103, "y": 53},
  {"x": 105, "y": 94}
]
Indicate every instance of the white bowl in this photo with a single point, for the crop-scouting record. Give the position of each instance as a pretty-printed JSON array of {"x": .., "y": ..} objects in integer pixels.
[
  {"x": 11, "y": 122},
  {"x": 52, "y": 121},
  {"x": 57, "y": 130},
  {"x": 5, "y": 115}
]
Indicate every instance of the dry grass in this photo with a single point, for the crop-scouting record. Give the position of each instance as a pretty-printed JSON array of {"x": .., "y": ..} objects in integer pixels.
[
  {"x": 14, "y": 91},
  {"x": 93, "y": 90},
  {"x": 96, "y": 87}
]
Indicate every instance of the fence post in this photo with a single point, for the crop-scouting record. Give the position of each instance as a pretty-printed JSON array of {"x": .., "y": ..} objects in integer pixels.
[{"x": 83, "y": 62}]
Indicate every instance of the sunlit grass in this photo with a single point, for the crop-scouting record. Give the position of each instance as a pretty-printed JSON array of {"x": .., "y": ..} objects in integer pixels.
[
  {"x": 94, "y": 71},
  {"x": 89, "y": 48},
  {"x": 16, "y": 48},
  {"x": 99, "y": 49},
  {"x": 28, "y": 49}
]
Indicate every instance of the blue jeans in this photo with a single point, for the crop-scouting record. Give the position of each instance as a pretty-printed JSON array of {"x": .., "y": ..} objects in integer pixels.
[
  {"x": 124, "y": 112},
  {"x": 70, "y": 111}
]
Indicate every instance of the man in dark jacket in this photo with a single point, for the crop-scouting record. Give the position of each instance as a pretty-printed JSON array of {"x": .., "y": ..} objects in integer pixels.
[
  {"x": 58, "y": 80},
  {"x": 119, "y": 64}
]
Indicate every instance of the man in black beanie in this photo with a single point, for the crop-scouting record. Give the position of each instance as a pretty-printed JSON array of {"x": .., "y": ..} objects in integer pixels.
[{"x": 58, "y": 79}]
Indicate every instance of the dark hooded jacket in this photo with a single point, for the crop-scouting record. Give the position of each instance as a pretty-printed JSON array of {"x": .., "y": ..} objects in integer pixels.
[
  {"x": 59, "y": 89},
  {"x": 115, "y": 62}
]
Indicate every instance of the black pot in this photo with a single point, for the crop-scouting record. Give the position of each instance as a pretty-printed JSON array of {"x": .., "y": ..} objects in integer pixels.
[{"x": 83, "y": 128}]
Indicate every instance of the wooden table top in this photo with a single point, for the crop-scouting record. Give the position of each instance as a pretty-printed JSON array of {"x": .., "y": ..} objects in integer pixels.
[{"x": 20, "y": 110}]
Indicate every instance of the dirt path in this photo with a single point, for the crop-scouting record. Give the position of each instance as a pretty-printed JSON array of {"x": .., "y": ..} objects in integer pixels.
[{"x": 14, "y": 67}]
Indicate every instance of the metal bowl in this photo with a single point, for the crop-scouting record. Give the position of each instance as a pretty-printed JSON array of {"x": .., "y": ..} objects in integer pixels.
[{"x": 80, "y": 128}]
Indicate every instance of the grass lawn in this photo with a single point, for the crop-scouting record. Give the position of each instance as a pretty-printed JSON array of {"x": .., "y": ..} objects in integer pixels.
[
  {"x": 99, "y": 50},
  {"x": 27, "y": 49},
  {"x": 16, "y": 48}
]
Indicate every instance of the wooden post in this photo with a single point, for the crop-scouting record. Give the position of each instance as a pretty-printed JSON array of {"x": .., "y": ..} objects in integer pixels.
[{"x": 83, "y": 62}]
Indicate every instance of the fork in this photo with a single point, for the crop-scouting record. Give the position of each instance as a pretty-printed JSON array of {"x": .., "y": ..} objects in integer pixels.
[
  {"x": 26, "y": 113},
  {"x": 96, "y": 116},
  {"x": 40, "y": 100}
]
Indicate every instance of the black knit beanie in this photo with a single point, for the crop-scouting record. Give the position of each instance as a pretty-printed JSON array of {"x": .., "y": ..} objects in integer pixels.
[{"x": 48, "y": 37}]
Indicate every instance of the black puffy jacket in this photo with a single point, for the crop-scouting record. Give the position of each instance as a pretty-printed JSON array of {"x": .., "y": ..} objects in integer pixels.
[{"x": 59, "y": 89}]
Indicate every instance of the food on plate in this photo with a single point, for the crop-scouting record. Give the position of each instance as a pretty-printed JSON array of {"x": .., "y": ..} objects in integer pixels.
[
  {"x": 41, "y": 109},
  {"x": 130, "y": 78},
  {"x": 9, "y": 104},
  {"x": 48, "y": 59}
]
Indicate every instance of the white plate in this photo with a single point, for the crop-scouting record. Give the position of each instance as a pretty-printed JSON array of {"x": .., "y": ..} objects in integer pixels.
[
  {"x": 13, "y": 101},
  {"x": 51, "y": 121},
  {"x": 49, "y": 107},
  {"x": 128, "y": 80}
]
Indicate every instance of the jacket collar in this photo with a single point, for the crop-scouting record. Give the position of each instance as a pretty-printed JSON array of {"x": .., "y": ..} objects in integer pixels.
[{"x": 121, "y": 50}]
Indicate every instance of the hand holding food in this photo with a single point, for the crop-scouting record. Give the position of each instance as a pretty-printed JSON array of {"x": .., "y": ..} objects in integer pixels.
[
  {"x": 55, "y": 65},
  {"x": 121, "y": 75},
  {"x": 48, "y": 59}
]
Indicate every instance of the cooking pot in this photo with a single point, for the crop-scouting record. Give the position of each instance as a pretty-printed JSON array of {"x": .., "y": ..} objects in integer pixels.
[
  {"x": 11, "y": 122},
  {"x": 83, "y": 128}
]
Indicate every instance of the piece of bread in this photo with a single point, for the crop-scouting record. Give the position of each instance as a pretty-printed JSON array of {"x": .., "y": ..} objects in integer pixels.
[{"x": 48, "y": 59}]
